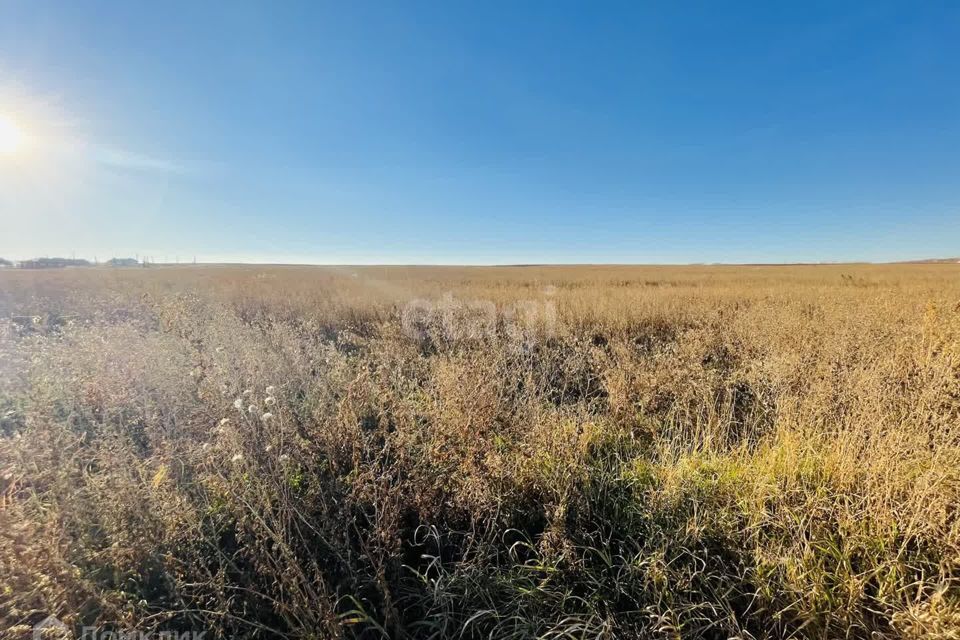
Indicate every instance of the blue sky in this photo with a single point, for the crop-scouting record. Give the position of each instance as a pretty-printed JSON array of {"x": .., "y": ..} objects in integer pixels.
[{"x": 484, "y": 132}]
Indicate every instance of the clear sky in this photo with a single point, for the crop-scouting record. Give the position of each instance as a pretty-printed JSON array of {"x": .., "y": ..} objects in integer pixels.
[{"x": 482, "y": 132}]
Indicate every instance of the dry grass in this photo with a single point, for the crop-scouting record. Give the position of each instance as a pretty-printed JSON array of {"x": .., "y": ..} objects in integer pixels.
[{"x": 535, "y": 452}]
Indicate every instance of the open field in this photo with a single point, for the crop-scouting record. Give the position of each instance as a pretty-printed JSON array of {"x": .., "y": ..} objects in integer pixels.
[{"x": 512, "y": 452}]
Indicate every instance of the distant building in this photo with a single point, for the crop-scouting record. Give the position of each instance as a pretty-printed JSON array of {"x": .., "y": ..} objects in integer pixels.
[
  {"x": 53, "y": 263},
  {"x": 122, "y": 262}
]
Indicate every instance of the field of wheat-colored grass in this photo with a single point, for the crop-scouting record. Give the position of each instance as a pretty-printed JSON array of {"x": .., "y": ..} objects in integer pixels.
[{"x": 498, "y": 452}]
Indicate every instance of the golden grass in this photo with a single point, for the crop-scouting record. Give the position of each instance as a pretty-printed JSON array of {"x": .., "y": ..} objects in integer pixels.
[{"x": 542, "y": 452}]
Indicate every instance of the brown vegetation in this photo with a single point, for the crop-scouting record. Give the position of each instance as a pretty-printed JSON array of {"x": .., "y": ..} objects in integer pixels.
[{"x": 522, "y": 452}]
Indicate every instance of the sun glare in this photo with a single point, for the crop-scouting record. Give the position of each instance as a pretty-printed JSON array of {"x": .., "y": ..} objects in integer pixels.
[{"x": 11, "y": 136}]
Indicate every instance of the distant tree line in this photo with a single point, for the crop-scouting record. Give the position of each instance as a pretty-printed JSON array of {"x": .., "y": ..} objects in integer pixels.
[{"x": 60, "y": 263}]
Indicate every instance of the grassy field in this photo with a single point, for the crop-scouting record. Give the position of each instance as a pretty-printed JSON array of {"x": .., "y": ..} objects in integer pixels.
[{"x": 513, "y": 452}]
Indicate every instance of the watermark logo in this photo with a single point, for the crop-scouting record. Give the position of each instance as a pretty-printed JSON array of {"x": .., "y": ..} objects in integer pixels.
[
  {"x": 453, "y": 320},
  {"x": 49, "y": 628},
  {"x": 52, "y": 628},
  {"x": 91, "y": 633}
]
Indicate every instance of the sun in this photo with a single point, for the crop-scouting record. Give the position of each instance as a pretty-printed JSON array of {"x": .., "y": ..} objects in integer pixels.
[{"x": 12, "y": 137}]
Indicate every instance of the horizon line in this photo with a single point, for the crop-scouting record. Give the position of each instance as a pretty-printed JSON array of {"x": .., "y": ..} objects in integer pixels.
[{"x": 234, "y": 263}]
